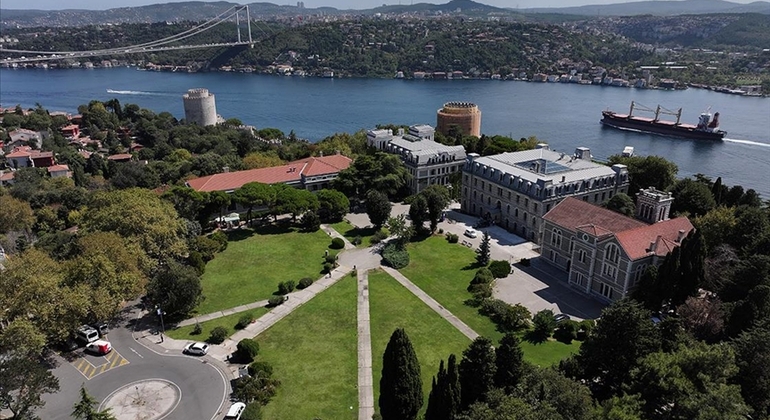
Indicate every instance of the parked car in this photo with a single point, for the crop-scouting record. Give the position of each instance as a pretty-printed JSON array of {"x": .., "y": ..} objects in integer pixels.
[
  {"x": 235, "y": 411},
  {"x": 99, "y": 347},
  {"x": 561, "y": 318},
  {"x": 471, "y": 233},
  {"x": 196, "y": 349},
  {"x": 86, "y": 334},
  {"x": 101, "y": 327}
]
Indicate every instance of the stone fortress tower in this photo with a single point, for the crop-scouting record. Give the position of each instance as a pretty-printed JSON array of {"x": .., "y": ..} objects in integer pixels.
[
  {"x": 653, "y": 205},
  {"x": 465, "y": 115},
  {"x": 199, "y": 107}
]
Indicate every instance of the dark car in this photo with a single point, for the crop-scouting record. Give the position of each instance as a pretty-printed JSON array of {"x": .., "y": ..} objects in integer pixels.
[
  {"x": 559, "y": 318},
  {"x": 101, "y": 326}
]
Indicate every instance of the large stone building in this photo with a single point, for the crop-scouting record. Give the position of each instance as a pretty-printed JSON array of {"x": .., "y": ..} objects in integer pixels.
[
  {"x": 514, "y": 190},
  {"x": 605, "y": 253},
  {"x": 200, "y": 107},
  {"x": 429, "y": 162},
  {"x": 464, "y": 115}
]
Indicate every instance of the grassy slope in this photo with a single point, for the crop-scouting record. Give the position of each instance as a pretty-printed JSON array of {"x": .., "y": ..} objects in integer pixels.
[
  {"x": 253, "y": 264},
  {"x": 313, "y": 352},
  {"x": 392, "y": 306}
]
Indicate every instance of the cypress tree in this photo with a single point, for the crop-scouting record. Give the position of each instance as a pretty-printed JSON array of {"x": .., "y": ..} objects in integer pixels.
[
  {"x": 508, "y": 359},
  {"x": 444, "y": 399},
  {"x": 692, "y": 268},
  {"x": 484, "y": 251},
  {"x": 453, "y": 391},
  {"x": 400, "y": 385},
  {"x": 477, "y": 371},
  {"x": 435, "y": 410}
]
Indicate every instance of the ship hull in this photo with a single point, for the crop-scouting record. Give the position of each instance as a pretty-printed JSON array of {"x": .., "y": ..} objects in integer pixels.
[{"x": 666, "y": 128}]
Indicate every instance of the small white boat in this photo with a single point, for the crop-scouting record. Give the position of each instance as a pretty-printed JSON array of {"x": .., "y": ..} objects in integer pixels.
[{"x": 628, "y": 151}]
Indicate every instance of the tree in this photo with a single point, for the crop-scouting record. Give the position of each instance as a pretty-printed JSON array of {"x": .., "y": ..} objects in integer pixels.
[
  {"x": 294, "y": 201},
  {"x": 134, "y": 174},
  {"x": 621, "y": 203},
  {"x": 418, "y": 212},
  {"x": 333, "y": 205},
  {"x": 176, "y": 288},
  {"x": 84, "y": 409},
  {"x": 509, "y": 361},
  {"x": 219, "y": 200},
  {"x": 692, "y": 197},
  {"x": 647, "y": 171},
  {"x": 255, "y": 194},
  {"x": 377, "y": 208},
  {"x": 623, "y": 335},
  {"x": 257, "y": 160},
  {"x": 544, "y": 323},
  {"x": 444, "y": 399},
  {"x": 484, "y": 251},
  {"x": 382, "y": 171},
  {"x": 753, "y": 363},
  {"x": 16, "y": 214},
  {"x": 716, "y": 226},
  {"x": 187, "y": 202},
  {"x": 21, "y": 337},
  {"x": 437, "y": 198},
  {"x": 550, "y": 391},
  {"x": 310, "y": 221},
  {"x": 703, "y": 318},
  {"x": 626, "y": 407},
  {"x": 400, "y": 384},
  {"x": 23, "y": 381},
  {"x": 255, "y": 389},
  {"x": 399, "y": 228},
  {"x": 477, "y": 371}
]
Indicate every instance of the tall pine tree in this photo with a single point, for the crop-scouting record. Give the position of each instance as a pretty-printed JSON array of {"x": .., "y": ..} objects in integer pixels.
[
  {"x": 400, "y": 385},
  {"x": 484, "y": 251},
  {"x": 444, "y": 399},
  {"x": 509, "y": 360},
  {"x": 477, "y": 371}
]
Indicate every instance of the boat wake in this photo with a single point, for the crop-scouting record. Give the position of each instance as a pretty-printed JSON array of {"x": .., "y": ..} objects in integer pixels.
[
  {"x": 749, "y": 142},
  {"x": 135, "y": 92}
]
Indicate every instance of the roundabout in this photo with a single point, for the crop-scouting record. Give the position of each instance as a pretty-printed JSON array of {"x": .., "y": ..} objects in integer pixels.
[{"x": 148, "y": 399}]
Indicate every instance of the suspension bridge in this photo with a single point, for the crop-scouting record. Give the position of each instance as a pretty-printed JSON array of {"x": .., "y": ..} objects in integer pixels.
[{"x": 164, "y": 44}]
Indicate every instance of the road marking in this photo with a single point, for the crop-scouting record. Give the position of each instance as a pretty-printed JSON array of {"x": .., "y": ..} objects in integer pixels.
[
  {"x": 111, "y": 361},
  {"x": 136, "y": 352}
]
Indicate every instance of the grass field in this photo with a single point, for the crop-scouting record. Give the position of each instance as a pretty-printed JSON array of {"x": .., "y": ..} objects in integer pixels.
[
  {"x": 392, "y": 306},
  {"x": 444, "y": 270},
  {"x": 350, "y": 232},
  {"x": 313, "y": 352},
  {"x": 255, "y": 262},
  {"x": 229, "y": 321}
]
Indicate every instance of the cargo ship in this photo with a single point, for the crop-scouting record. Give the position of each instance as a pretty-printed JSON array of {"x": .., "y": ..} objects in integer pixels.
[{"x": 707, "y": 128}]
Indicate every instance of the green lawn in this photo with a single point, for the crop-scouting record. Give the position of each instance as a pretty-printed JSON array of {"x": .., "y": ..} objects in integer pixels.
[
  {"x": 313, "y": 352},
  {"x": 229, "y": 321},
  {"x": 392, "y": 306},
  {"x": 444, "y": 270},
  {"x": 255, "y": 262},
  {"x": 350, "y": 232}
]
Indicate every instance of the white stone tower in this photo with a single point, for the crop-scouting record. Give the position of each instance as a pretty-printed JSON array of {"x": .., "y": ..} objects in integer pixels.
[
  {"x": 199, "y": 107},
  {"x": 652, "y": 205}
]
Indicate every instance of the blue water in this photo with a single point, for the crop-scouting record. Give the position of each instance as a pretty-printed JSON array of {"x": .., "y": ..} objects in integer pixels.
[{"x": 564, "y": 115}]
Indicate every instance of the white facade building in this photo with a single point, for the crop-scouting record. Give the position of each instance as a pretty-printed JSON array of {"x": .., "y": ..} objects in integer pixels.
[{"x": 200, "y": 107}]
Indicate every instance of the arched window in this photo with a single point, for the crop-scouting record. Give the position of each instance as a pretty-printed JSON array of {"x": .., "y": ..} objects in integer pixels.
[
  {"x": 556, "y": 237},
  {"x": 612, "y": 254}
]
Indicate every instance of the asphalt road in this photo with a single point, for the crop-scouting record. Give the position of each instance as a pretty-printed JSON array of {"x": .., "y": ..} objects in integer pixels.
[{"x": 204, "y": 389}]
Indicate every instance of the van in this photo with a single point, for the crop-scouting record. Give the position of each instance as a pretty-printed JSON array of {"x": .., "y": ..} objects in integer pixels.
[
  {"x": 235, "y": 411},
  {"x": 86, "y": 334}
]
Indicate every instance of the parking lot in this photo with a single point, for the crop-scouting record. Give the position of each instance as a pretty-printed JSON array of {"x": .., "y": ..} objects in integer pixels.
[{"x": 90, "y": 365}]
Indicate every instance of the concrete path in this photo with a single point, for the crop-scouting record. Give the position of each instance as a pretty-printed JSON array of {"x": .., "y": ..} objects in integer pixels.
[
  {"x": 224, "y": 312},
  {"x": 365, "y": 381},
  {"x": 334, "y": 234},
  {"x": 432, "y": 303}
]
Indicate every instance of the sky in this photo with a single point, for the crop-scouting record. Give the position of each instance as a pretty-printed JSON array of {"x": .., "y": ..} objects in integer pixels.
[{"x": 340, "y": 4}]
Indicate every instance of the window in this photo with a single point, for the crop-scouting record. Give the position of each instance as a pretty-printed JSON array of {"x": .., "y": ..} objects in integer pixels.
[
  {"x": 499, "y": 192},
  {"x": 525, "y": 217},
  {"x": 518, "y": 197},
  {"x": 603, "y": 195},
  {"x": 582, "y": 256},
  {"x": 606, "y": 290},
  {"x": 596, "y": 198},
  {"x": 490, "y": 187},
  {"x": 552, "y": 255},
  {"x": 482, "y": 185},
  {"x": 580, "y": 279},
  {"x": 556, "y": 237},
  {"x": 509, "y": 195},
  {"x": 612, "y": 254},
  {"x": 534, "y": 207},
  {"x": 475, "y": 182},
  {"x": 547, "y": 208},
  {"x": 571, "y": 246},
  {"x": 638, "y": 274},
  {"x": 508, "y": 209},
  {"x": 516, "y": 213},
  {"x": 526, "y": 202},
  {"x": 610, "y": 270}
]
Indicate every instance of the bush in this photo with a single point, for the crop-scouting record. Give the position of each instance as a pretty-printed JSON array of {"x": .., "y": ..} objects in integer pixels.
[
  {"x": 483, "y": 276},
  {"x": 286, "y": 287},
  {"x": 337, "y": 243},
  {"x": 545, "y": 323},
  {"x": 524, "y": 262},
  {"x": 328, "y": 268},
  {"x": 452, "y": 238},
  {"x": 218, "y": 335},
  {"x": 395, "y": 256},
  {"x": 500, "y": 268},
  {"x": 441, "y": 231},
  {"x": 275, "y": 301},
  {"x": 244, "y": 321},
  {"x": 248, "y": 349},
  {"x": 357, "y": 240},
  {"x": 480, "y": 291},
  {"x": 220, "y": 237},
  {"x": 304, "y": 283},
  {"x": 197, "y": 329},
  {"x": 508, "y": 318},
  {"x": 261, "y": 369},
  {"x": 378, "y": 237},
  {"x": 195, "y": 260},
  {"x": 206, "y": 246},
  {"x": 585, "y": 328},
  {"x": 253, "y": 411},
  {"x": 331, "y": 259},
  {"x": 567, "y": 331}
]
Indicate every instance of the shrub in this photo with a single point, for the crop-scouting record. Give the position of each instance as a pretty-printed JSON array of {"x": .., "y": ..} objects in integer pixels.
[
  {"x": 244, "y": 321},
  {"x": 195, "y": 260},
  {"x": 220, "y": 237},
  {"x": 395, "y": 256},
  {"x": 206, "y": 246},
  {"x": 524, "y": 262},
  {"x": 337, "y": 243},
  {"x": 507, "y": 317},
  {"x": 328, "y": 268},
  {"x": 378, "y": 237},
  {"x": 480, "y": 291},
  {"x": 275, "y": 301},
  {"x": 253, "y": 411},
  {"x": 197, "y": 329},
  {"x": 500, "y": 268},
  {"x": 441, "y": 231},
  {"x": 585, "y": 328},
  {"x": 248, "y": 349},
  {"x": 310, "y": 221},
  {"x": 567, "y": 331},
  {"x": 261, "y": 369},
  {"x": 357, "y": 240},
  {"x": 218, "y": 335},
  {"x": 544, "y": 323},
  {"x": 331, "y": 259},
  {"x": 452, "y": 238},
  {"x": 286, "y": 287},
  {"x": 304, "y": 283}
]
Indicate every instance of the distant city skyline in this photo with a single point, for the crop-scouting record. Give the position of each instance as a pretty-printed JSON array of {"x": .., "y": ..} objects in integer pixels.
[{"x": 339, "y": 4}]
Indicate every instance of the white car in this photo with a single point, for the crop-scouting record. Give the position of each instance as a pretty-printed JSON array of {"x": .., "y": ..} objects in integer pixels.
[
  {"x": 197, "y": 349},
  {"x": 235, "y": 411},
  {"x": 99, "y": 347},
  {"x": 471, "y": 233}
]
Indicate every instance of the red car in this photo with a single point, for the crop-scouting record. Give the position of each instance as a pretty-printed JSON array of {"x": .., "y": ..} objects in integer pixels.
[{"x": 99, "y": 347}]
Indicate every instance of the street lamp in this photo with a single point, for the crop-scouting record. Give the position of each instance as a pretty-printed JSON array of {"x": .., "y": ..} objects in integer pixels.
[{"x": 160, "y": 313}]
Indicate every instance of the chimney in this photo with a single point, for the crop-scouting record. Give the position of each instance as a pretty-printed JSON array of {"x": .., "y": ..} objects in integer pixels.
[
  {"x": 321, "y": 153},
  {"x": 401, "y": 132},
  {"x": 653, "y": 244},
  {"x": 563, "y": 178},
  {"x": 225, "y": 169},
  {"x": 583, "y": 153},
  {"x": 681, "y": 236}
]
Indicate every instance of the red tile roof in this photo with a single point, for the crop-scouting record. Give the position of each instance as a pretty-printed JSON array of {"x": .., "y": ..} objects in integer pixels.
[
  {"x": 572, "y": 214},
  {"x": 7, "y": 176},
  {"x": 120, "y": 156},
  {"x": 58, "y": 168},
  {"x": 291, "y": 172},
  {"x": 636, "y": 242}
]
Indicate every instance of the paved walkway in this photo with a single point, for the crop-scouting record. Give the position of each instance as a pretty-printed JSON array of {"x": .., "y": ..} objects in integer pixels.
[
  {"x": 334, "y": 234},
  {"x": 224, "y": 312},
  {"x": 365, "y": 381},
  {"x": 432, "y": 303}
]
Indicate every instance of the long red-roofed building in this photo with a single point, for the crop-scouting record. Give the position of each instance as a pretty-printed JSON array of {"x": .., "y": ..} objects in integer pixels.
[
  {"x": 313, "y": 173},
  {"x": 605, "y": 253}
]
